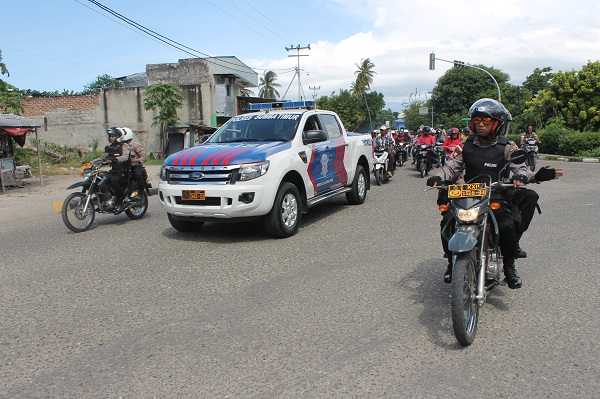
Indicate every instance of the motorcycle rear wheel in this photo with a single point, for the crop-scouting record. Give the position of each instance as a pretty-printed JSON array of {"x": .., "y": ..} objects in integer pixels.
[
  {"x": 138, "y": 210},
  {"x": 465, "y": 308},
  {"x": 72, "y": 213}
]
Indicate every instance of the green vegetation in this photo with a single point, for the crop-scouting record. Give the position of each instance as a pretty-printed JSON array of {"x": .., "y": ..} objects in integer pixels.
[{"x": 267, "y": 85}]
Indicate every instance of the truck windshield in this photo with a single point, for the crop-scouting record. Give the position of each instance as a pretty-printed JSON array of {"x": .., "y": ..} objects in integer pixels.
[{"x": 257, "y": 127}]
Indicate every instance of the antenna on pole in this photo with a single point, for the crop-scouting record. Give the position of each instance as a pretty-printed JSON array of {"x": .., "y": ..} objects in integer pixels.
[{"x": 298, "y": 55}]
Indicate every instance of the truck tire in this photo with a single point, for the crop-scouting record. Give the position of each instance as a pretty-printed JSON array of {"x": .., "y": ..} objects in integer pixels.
[
  {"x": 184, "y": 226},
  {"x": 359, "y": 187},
  {"x": 284, "y": 219}
]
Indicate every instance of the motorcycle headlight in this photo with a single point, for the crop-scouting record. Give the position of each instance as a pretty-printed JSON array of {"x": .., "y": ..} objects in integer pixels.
[
  {"x": 251, "y": 171},
  {"x": 468, "y": 215}
]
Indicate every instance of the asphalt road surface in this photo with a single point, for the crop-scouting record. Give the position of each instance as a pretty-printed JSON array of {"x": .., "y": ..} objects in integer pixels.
[{"x": 353, "y": 306}]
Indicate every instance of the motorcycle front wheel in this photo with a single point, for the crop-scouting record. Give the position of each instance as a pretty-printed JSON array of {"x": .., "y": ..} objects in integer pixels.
[
  {"x": 532, "y": 163},
  {"x": 422, "y": 168},
  {"x": 379, "y": 176},
  {"x": 73, "y": 215},
  {"x": 465, "y": 308}
]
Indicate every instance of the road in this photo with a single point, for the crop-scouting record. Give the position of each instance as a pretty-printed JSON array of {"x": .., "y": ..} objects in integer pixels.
[{"x": 353, "y": 306}]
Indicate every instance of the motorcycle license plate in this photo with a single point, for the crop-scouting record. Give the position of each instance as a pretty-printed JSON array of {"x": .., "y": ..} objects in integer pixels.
[
  {"x": 467, "y": 190},
  {"x": 193, "y": 195}
]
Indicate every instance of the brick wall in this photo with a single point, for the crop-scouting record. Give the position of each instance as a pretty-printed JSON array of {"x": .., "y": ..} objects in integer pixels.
[{"x": 42, "y": 105}]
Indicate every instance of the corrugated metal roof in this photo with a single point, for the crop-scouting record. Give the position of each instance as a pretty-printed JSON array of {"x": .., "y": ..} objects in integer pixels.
[{"x": 12, "y": 120}]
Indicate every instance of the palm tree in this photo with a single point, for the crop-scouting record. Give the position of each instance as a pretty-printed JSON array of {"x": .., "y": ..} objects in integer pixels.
[
  {"x": 364, "y": 77},
  {"x": 246, "y": 92},
  {"x": 267, "y": 85}
]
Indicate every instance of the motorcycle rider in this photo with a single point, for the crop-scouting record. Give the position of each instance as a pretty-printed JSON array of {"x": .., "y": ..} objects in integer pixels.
[
  {"x": 486, "y": 153},
  {"x": 117, "y": 155},
  {"x": 529, "y": 134},
  {"x": 137, "y": 158},
  {"x": 386, "y": 141},
  {"x": 440, "y": 134},
  {"x": 465, "y": 133},
  {"x": 452, "y": 142}
]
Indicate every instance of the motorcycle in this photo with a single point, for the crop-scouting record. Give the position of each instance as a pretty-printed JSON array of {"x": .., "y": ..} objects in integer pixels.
[
  {"x": 531, "y": 148},
  {"x": 440, "y": 152},
  {"x": 473, "y": 238},
  {"x": 425, "y": 158},
  {"x": 381, "y": 165},
  {"x": 402, "y": 152},
  {"x": 79, "y": 209}
]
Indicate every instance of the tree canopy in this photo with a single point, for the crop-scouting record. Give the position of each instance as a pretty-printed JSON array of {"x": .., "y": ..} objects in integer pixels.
[
  {"x": 102, "y": 82},
  {"x": 267, "y": 85},
  {"x": 10, "y": 98}
]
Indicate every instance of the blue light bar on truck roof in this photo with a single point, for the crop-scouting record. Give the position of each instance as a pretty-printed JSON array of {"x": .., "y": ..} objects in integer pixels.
[{"x": 280, "y": 105}]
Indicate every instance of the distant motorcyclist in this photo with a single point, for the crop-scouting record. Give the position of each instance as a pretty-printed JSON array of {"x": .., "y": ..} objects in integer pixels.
[
  {"x": 426, "y": 137},
  {"x": 440, "y": 134},
  {"x": 452, "y": 142},
  {"x": 117, "y": 155},
  {"x": 137, "y": 158},
  {"x": 386, "y": 141},
  {"x": 465, "y": 133},
  {"x": 529, "y": 134}
]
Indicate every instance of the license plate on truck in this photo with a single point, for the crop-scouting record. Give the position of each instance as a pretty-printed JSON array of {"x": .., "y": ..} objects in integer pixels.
[{"x": 193, "y": 195}]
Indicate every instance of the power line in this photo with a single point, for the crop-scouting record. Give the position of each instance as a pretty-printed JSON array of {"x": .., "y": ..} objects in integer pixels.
[{"x": 273, "y": 22}]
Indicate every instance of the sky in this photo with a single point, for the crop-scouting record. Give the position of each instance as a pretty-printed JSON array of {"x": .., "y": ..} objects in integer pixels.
[{"x": 65, "y": 44}]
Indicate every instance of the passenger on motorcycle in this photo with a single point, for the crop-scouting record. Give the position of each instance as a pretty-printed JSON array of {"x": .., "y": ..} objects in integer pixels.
[
  {"x": 486, "y": 153},
  {"x": 386, "y": 141},
  {"x": 453, "y": 142},
  {"x": 117, "y": 155},
  {"x": 137, "y": 158},
  {"x": 529, "y": 134}
]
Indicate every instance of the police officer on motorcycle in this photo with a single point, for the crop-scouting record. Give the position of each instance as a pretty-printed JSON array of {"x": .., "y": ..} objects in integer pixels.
[
  {"x": 137, "y": 158},
  {"x": 486, "y": 153},
  {"x": 117, "y": 155}
]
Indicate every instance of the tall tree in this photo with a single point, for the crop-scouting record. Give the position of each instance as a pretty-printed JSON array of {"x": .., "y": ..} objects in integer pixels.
[
  {"x": 100, "y": 83},
  {"x": 167, "y": 99},
  {"x": 10, "y": 98},
  {"x": 267, "y": 85},
  {"x": 364, "y": 77},
  {"x": 539, "y": 80}
]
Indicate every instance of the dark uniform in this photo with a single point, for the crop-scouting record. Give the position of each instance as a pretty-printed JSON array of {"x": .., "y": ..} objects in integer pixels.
[
  {"x": 118, "y": 153},
  {"x": 475, "y": 160}
]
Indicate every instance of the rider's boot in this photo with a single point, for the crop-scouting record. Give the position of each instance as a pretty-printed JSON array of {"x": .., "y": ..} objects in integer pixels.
[
  {"x": 510, "y": 273},
  {"x": 520, "y": 253},
  {"x": 448, "y": 272}
]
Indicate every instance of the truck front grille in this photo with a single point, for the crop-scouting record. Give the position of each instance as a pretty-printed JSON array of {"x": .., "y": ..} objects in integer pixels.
[{"x": 202, "y": 174}]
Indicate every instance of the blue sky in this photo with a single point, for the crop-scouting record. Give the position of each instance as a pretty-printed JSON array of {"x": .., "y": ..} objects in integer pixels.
[{"x": 65, "y": 44}]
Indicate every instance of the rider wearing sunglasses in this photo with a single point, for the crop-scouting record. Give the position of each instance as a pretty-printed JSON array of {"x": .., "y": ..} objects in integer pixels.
[{"x": 485, "y": 153}]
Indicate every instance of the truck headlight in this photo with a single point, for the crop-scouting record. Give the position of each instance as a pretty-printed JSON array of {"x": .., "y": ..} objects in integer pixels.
[
  {"x": 163, "y": 173},
  {"x": 251, "y": 171},
  {"x": 468, "y": 215}
]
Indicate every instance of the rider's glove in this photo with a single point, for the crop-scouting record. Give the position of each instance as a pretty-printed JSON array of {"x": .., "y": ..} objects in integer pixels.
[
  {"x": 434, "y": 179},
  {"x": 545, "y": 174},
  {"x": 522, "y": 178}
]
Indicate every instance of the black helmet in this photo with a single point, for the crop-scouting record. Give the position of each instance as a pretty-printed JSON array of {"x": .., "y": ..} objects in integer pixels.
[
  {"x": 427, "y": 129},
  {"x": 486, "y": 107},
  {"x": 114, "y": 131},
  {"x": 466, "y": 130}
]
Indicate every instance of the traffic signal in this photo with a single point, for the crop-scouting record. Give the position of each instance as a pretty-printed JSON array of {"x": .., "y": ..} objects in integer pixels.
[{"x": 459, "y": 64}]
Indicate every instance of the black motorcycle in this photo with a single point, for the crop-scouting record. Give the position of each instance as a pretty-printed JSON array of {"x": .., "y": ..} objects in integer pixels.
[
  {"x": 425, "y": 158},
  {"x": 79, "y": 209},
  {"x": 402, "y": 152},
  {"x": 473, "y": 239},
  {"x": 531, "y": 148},
  {"x": 440, "y": 153}
]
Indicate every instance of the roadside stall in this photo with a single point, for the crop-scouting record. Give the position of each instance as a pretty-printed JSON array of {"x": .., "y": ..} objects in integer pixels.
[{"x": 13, "y": 129}]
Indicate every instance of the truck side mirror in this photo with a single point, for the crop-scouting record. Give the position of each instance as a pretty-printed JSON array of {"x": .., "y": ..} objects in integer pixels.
[{"x": 314, "y": 136}]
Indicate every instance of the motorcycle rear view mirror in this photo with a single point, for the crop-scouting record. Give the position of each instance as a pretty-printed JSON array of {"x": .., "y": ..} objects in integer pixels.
[{"x": 518, "y": 156}]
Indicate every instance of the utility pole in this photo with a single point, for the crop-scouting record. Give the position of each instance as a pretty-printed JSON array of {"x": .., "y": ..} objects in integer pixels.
[
  {"x": 298, "y": 55},
  {"x": 314, "y": 89}
]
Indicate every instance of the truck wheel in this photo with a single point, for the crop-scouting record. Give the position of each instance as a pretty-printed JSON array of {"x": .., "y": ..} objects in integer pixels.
[
  {"x": 185, "y": 226},
  {"x": 285, "y": 216},
  {"x": 359, "y": 187}
]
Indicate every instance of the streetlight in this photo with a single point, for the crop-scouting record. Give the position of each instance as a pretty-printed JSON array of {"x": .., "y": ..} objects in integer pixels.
[{"x": 462, "y": 64}]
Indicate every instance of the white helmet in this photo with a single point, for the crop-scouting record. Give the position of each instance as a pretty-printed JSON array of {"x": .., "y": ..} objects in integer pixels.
[{"x": 127, "y": 134}]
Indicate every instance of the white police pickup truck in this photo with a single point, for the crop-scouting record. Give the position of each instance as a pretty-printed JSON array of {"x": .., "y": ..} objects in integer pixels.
[{"x": 272, "y": 164}]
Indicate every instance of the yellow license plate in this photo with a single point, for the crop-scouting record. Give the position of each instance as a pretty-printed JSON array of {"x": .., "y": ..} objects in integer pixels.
[
  {"x": 193, "y": 195},
  {"x": 467, "y": 190}
]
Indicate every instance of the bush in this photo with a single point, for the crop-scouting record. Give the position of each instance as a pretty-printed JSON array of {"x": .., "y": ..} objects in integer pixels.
[{"x": 579, "y": 143}]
